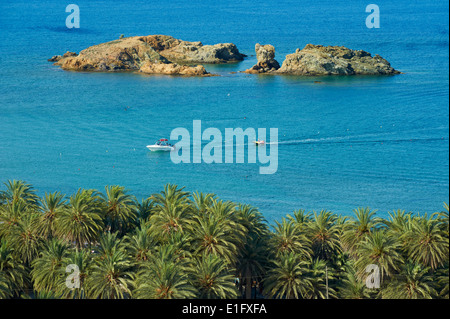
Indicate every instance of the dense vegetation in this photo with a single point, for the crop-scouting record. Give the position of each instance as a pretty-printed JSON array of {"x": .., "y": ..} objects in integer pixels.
[{"x": 177, "y": 244}]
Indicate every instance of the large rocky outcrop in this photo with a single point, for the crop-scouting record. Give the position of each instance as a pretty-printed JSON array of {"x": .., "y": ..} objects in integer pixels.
[
  {"x": 149, "y": 54},
  {"x": 334, "y": 60},
  {"x": 265, "y": 54}
]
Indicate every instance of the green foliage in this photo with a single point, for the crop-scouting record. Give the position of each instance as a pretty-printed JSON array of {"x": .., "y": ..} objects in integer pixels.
[
  {"x": 213, "y": 278},
  {"x": 178, "y": 244},
  {"x": 288, "y": 277},
  {"x": 413, "y": 282}
]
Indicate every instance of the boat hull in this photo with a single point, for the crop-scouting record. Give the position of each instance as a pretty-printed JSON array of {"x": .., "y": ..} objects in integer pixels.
[{"x": 159, "y": 148}]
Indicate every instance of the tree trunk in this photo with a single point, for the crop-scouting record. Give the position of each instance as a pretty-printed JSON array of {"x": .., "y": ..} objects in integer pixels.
[{"x": 248, "y": 285}]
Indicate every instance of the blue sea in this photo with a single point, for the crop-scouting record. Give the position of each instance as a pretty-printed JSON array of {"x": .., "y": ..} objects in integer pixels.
[{"x": 344, "y": 142}]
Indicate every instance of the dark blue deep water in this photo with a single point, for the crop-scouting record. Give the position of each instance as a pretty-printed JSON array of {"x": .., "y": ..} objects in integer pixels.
[{"x": 353, "y": 141}]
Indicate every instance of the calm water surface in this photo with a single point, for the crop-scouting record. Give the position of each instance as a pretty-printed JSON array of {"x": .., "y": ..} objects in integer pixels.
[{"x": 344, "y": 142}]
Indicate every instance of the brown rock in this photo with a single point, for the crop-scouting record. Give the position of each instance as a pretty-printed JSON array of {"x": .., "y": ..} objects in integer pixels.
[
  {"x": 265, "y": 54},
  {"x": 173, "y": 69},
  {"x": 54, "y": 58},
  {"x": 130, "y": 54},
  {"x": 334, "y": 60}
]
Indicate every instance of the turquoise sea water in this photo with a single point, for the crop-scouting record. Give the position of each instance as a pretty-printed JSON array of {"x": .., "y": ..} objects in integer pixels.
[{"x": 346, "y": 142}]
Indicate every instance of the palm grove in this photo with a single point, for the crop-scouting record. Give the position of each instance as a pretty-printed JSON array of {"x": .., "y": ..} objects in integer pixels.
[{"x": 177, "y": 244}]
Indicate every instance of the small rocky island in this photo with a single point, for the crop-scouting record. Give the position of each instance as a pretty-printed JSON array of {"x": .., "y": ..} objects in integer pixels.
[
  {"x": 162, "y": 54},
  {"x": 153, "y": 54},
  {"x": 321, "y": 60}
]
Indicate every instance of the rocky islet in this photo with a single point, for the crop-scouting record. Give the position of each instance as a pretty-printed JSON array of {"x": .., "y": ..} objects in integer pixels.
[{"x": 162, "y": 54}]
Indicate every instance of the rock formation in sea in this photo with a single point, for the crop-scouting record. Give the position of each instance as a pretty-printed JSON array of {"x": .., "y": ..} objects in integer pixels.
[
  {"x": 153, "y": 54},
  {"x": 265, "y": 54},
  {"x": 321, "y": 60},
  {"x": 334, "y": 60},
  {"x": 162, "y": 54}
]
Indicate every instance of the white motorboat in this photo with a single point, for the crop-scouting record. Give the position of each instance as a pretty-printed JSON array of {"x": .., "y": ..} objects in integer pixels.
[{"x": 161, "y": 145}]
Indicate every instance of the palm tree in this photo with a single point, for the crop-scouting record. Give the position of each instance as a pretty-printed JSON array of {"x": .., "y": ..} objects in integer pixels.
[
  {"x": 398, "y": 224},
  {"x": 10, "y": 215},
  {"x": 352, "y": 287},
  {"x": 120, "y": 209},
  {"x": 181, "y": 243},
  {"x": 24, "y": 239},
  {"x": 320, "y": 276},
  {"x": 143, "y": 210},
  {"x": 140, "y": 244},
  {"x": 288, "y": 238},
  {"x": 356, "y": 230},
  {"x": 51, "y": 206},
  {"x": 252, "y": 219},
  {"x": 213, "y": 278},
  {"x": 301, "y": 218},
  {"x": 108, "y": 243},
  {"x": 81, "y": 222},
  {"x": 252, "y": 256},
  {"x": 82, "y": 260},
  {"x": 110, "y": 277},
  {"x": 324, "y": 232},
  {"x": 202, "y": 201},
  {"x": 165, "y": 276},
  {"x": 214, "y": 235},
  {"x": 225, "y": 210},
  {"x": 5, "y": 290},
  {"x": 12, "y": 271},
  {"x": 49, "y": 269},
  {"x": 252, "y": 262},
  {"x": 380, "y": 249},
  {"x": 288, "y": 278},
  {"x": 427, "y": 243},
  {"x": 413, "y": 282},
  {"x": 442, "y": 281},
  {"x": 20, "y": 191},
  {"x": 172, "y": 211}
]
